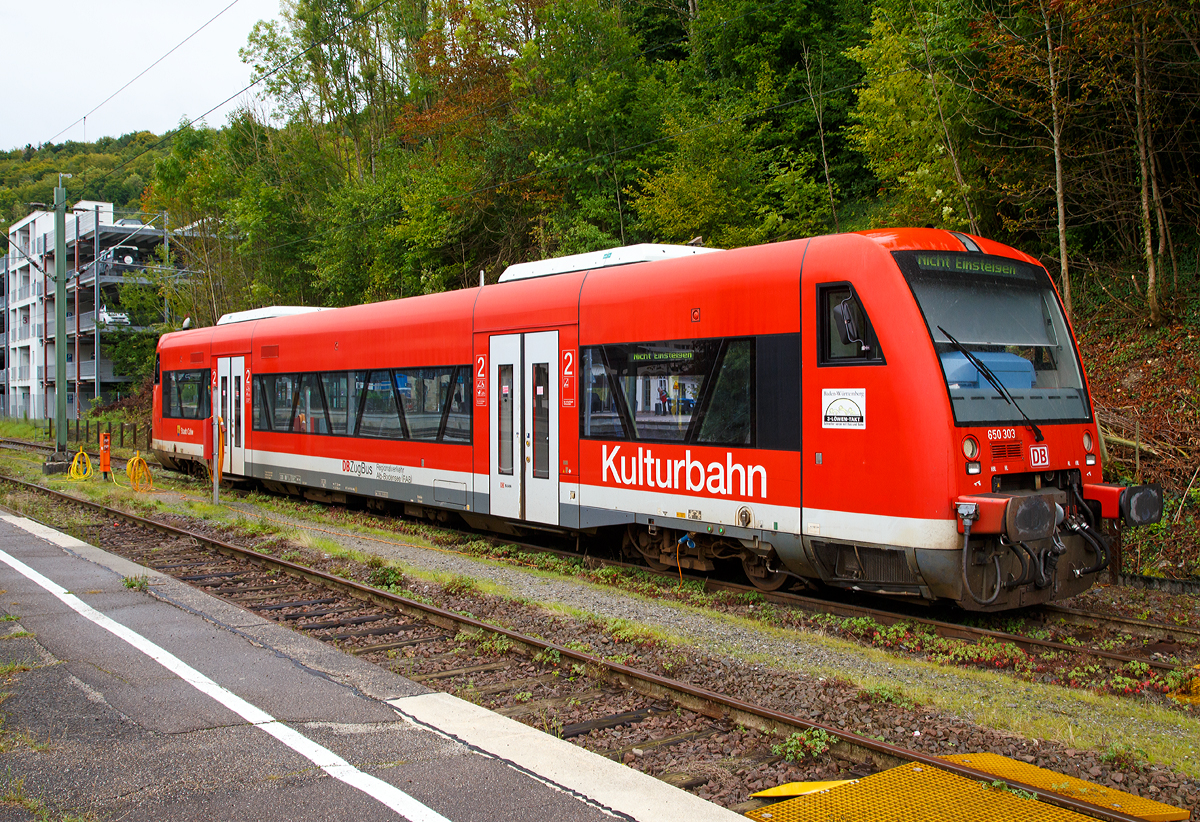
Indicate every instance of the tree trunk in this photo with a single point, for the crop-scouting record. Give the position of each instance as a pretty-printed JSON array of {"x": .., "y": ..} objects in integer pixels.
[
  {"x": 1056, "y": 130},
  {"x": 1139, "y": 104},
  {"x": 1166, "y": 245},
  {"x": 818, "y": 110},
  {"x": 958, "y": 175}
]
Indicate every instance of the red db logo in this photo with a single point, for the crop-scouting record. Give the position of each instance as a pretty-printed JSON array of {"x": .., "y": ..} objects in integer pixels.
[{"x": 1039, "y": 455}]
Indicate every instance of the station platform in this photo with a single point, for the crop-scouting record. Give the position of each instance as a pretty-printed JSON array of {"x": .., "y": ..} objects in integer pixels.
[{"x": 171, "y": 704}]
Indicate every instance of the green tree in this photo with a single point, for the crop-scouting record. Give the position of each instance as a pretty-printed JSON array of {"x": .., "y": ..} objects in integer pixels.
[
  {"x": 912, "y": 116},
  {"x": 719, "y": 184}
]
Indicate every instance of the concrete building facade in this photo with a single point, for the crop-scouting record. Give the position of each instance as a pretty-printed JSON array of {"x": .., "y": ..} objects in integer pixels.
[{"x": 104, "y": 251}]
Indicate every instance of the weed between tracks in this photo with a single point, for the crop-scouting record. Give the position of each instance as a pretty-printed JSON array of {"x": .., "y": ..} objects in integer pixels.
[
  {"x": 656, "y": 649},
  {"x": 285, "y": 539},
  {"x": 804, "y": 745}
]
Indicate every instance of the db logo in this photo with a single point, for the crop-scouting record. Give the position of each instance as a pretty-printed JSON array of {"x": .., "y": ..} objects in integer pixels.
[{"x": 1039, "y": 455}]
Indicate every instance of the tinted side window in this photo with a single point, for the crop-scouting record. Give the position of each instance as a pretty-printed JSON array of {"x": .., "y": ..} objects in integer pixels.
[
  {"x": 458, "y": 415},
  {"x": 698, "y": 391},
  {"x": 380, "y": 416},
  {"x": 424, "y": 392},
  {"x": 429, "y": 404},
  {"x": 337, "y": 401},
  {"x": 598, "y": 411},
  {"x": 777, "y": 402},
  {"x": 728, "y": 420},
  {"x": 845, "y": 335},
  {"x": 310, "y": 410},
  {"x": 186, "y": 394}
]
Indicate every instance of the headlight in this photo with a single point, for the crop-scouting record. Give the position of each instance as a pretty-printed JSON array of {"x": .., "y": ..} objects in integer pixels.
[
  {"x": 1087, "y": 441},
  {"x": 970, "y": 448}
]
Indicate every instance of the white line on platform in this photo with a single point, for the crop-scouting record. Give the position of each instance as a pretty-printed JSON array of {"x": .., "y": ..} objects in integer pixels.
[{"x": 319, "y": 755}]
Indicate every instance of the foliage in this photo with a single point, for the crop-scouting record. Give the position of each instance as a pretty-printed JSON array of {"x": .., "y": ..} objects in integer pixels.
[
  {"x": 888, "y": 694},
  {"x": 388, "y": 577},
  {"x": 803, "y": 745},
  {"x": 111, "y": 169},
  {"x": 912, "y": 119},
  {"x": 137, "y": 583},
  {"x": 403, "y": 148}
]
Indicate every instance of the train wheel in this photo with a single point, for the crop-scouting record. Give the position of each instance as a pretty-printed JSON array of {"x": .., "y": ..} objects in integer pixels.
[
  {"x": 640, "y": 543},
  {"x": 762, "y": 577}
]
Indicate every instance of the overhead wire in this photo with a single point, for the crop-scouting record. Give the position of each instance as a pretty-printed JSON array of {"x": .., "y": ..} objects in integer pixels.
[
  {"x": 265, "y": 75},
  {"x": 143, "y": 72}
]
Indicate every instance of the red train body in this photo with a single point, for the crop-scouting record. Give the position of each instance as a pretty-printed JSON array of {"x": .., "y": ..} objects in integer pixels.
[{"x": 896, "y": 411}]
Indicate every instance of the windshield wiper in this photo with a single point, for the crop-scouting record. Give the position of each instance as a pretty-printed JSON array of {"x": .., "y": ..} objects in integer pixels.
[{"x": 995, "y": 381}]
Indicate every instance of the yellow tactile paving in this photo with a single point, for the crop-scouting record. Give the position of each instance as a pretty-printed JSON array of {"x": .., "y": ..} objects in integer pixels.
[
  {"x": 1004, "y": 768},
  {"x": 913, "y": 793},
  {"x": 799, "y": 788}
]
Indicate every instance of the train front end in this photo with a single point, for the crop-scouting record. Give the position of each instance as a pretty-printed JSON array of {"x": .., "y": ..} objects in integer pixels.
[{"x": 1035, "y": 518}]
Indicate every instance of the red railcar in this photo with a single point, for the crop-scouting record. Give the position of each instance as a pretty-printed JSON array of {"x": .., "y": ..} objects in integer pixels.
[{"x": 899, "y": 411}]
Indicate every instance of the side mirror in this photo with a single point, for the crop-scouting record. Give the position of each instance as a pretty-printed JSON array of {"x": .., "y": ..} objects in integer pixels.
[{"x": 847, "y": 326}]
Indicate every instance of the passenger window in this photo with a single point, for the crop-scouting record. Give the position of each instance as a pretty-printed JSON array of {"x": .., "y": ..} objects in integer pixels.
[
  {"x": 185, "y": 395},
  {"x": 458, "y": 418},
  {"x": 846, "y": 335},
  {"x": 600, "y": 417},
  {"x": 282, "y": 391},
  {"x": 310, "y": 410},
  {"x": 380, "y": 417},
  {"x": 337, "y": 400},
  {"x": 423, "y": 392},
  {"x": 429, "y": 404},
  {"x": 727, "y": 420},
  {"x": 698, "y": 391}
]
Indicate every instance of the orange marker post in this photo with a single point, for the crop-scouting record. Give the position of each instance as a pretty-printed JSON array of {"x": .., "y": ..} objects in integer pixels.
[{"x": 105, "y": 461}]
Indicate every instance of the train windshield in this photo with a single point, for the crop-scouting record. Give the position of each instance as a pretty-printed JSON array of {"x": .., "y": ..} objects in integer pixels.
[{"x": 1007, "y": 315}]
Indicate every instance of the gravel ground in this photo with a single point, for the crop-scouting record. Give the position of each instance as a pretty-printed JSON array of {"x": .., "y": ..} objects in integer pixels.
[{"x": 1031, "y": 709}]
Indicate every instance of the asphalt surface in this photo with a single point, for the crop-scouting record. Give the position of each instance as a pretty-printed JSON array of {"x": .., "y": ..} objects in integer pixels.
[{"x": 171, "y": 704}]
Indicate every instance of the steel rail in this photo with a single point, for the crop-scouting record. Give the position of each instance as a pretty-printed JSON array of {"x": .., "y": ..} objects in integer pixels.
[
  {"x": 949, "y": 630},
  {"x": 1133, "y": 626},
  {"x": 9, "y": 442},
  {"x": 701, "y": 700}
]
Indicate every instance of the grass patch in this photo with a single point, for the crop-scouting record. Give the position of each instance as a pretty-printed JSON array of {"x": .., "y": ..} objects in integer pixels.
[
  {"x": 313, "y": 542},
  {"x": 138, "y": 583},
  {"x": 12, "y": 792},
  {"x": 10, "y": 668},
  {"x": 804, "y": 745},
  {"x": 460, "y": 586},
  {"x": 888, "y": 694}
]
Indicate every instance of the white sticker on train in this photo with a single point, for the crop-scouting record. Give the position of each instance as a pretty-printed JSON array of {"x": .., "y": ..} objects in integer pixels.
[{"x": 844, "y": 408}]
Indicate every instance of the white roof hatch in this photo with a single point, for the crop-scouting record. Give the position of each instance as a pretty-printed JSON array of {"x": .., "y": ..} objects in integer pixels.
[
  {"x": 623, "y": 255},
  {"x": 267, "y": 313}
]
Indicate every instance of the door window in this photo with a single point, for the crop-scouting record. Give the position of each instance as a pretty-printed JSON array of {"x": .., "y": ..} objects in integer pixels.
[
  {"x": 237, "y": 411},
  {"x": 505, "y": 428},
  {"x": 541, "y": 420}
]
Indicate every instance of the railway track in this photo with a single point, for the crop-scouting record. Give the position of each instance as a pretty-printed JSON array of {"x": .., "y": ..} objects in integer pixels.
[
  {"x": 1155, "y": 635},
  {"x": 615, "y": 709},
  {"x": 1162, "y": 649},
  {"x": 46, "y": 448}
]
